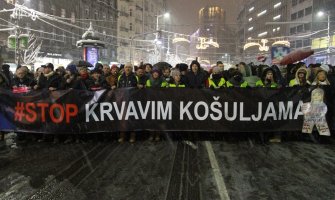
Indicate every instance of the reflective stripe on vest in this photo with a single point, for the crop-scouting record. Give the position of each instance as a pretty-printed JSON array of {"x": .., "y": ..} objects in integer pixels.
[
  {"x": 148, "y": 83},
  {"x": 261, "y": 84},
  {"x": 212, "y": 83},
  {"x": 243, "y": 85},
  {"x": 175, "y": 86}
]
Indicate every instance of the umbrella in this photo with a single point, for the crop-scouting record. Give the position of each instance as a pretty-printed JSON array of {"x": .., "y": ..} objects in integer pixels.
[
  {"x": 161, "y": 65},
  {"x": 82, "y": 63},
  {"x": 295, "y": 56}
]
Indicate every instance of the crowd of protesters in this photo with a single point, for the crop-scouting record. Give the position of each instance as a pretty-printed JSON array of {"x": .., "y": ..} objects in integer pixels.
[{"x": 147, "y": 76}]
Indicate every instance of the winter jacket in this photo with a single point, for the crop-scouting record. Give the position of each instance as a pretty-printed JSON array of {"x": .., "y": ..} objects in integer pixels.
[
  {"x": 24, "y": 82},
  {"x": 50, "y": 80},
  {"x": 295, "y": 81},
  {"x": 127, "y": 81},
  {"x": 196, "y": 80}
]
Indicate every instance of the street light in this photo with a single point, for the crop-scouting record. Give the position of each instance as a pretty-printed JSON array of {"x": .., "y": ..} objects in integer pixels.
[
  {"x": 321, "y": 14},
  {"x": 157, "y": 42}
]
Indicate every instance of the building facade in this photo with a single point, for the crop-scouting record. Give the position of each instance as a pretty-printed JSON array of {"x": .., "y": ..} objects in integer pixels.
[
  {"x": 60, "y": 23},
  {"x": 136, "y": 29},
  {"x": 257, "y": 20},
  {"x": 212, "y": 26}
]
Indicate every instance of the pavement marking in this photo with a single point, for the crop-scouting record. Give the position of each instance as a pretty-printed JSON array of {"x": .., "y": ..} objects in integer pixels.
[{"x": 217, "y": 173}]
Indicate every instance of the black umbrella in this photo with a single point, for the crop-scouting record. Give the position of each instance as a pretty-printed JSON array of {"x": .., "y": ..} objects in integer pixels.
[
  {"x": 82, "y": 63},
  {"x": 161, "y": 65}
]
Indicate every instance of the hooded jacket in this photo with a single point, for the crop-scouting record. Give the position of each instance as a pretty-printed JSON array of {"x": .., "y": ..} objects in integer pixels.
[{"x": 296, "y": 82}]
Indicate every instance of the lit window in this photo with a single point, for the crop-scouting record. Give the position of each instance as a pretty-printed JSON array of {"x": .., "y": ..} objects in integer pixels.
[
  {"x": 278, "y": 28},
  {"x": 262, "y": 34},
  {"x": 73, "y": 17},
  {"x": 277, "y": 5},
  {"x": 251, "y": 28},
  {"x": 251, "y": 9},
  {"x": 274, "y": 30},
  {"x": 276, "y": 17},
  {"x": 62, "y": 13},
  {"x": 261, "y": 13},
  {"x": 250, "y": 19},
  {"x": 249, "y": 38}
]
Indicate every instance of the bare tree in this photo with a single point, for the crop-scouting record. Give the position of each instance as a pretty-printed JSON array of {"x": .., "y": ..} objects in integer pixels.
[{"x": 34, "y": 46}]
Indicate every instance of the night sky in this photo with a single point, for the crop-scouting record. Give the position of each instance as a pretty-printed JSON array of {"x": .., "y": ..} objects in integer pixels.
[{"x": 184, "y": 13}]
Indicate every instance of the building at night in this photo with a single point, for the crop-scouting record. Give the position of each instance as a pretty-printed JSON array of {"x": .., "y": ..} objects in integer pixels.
[
  {"x": 66, "y": 23},
  {"x": 252, "y": 23},
  {"x": 214, "y": 40},
  {"x": 137, "y": 20},
  {"x": 316, "y": 29}
]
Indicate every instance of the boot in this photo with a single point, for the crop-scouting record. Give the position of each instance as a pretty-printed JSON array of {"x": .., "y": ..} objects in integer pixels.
[
  {"x": 151, "y": 138},
  {"x": 157, "y": 137},
  {"x": 122, "y": 137},
  {"x": 275, "y": 139},
  {"x": 132, "y": 137}
]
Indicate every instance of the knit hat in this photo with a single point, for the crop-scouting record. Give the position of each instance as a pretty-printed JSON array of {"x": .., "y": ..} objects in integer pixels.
[
  {"x": 156, "y": 70},
  {"x": 96, "y": 71},
  {"x": 72, "y": 69},
  {"x": 114, "y": 67},
  {"x": 325, "y": 68},
  {"x": 49, "y": 65}
]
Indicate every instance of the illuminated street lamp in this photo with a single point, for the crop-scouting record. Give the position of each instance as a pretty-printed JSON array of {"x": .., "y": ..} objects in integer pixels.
[
  {"x": 321, "y": 14},
  {"x": 157, "y": 41}
]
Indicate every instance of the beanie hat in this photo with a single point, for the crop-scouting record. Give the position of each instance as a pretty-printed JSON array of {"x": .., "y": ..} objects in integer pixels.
[
  {"x": 114, "y": 67},
  {"x": 156, "y": 70},
  {"x": 325, "y": 68},
  {"x": 72, "y": 69}
]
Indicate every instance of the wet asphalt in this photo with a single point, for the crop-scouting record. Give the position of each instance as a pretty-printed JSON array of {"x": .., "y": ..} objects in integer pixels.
[{"x": 170, "y": 169}]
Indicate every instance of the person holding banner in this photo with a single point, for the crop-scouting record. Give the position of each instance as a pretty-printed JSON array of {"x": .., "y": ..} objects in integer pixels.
[
  {"x": 236, "y": 79},
  {"x": 21, "y": 80},
  {"x": 321, "y": 77},
  {"x": 4, "y": 82},
  {"x": 49, "y": 79},
  {"x": 98, "y": 81},
  {"x": 127, "y": 79},
  {"x": 216, "y": 81},
  {"x": 301, "y": 78},
  {"x": 196, "y": 78},
  {"x": 176, "y": 80},
  {"x": 268, "y": 79},
  {"x": 141, "y": 77},
  {"x": 155, "y": 80}
]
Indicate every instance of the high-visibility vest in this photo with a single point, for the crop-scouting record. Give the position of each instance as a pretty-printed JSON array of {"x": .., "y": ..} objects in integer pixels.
[
  {"x": 260, "y": 83},
  {"x": 212, "y": 83},
  {"x": 242, "y": 85},
  {"x": 172, "y": 85},
  {"x": 148, "y": 83},
  {"x": 294, "y": 82}
]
